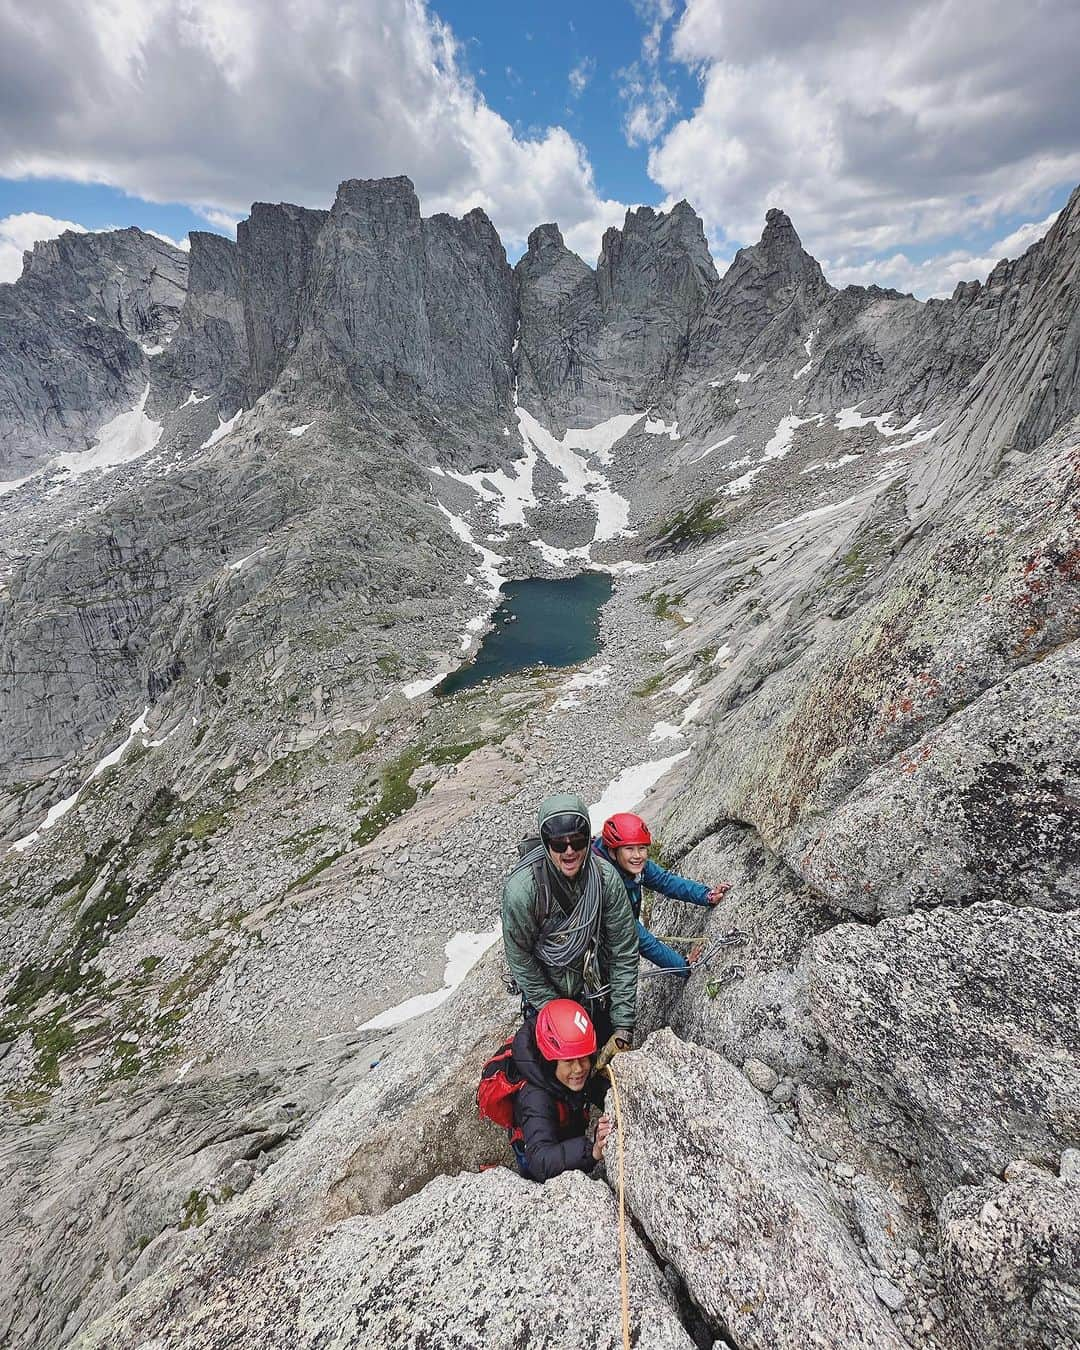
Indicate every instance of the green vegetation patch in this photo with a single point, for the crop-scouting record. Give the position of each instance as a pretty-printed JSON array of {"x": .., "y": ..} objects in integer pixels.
[
  {"x": 665, "y": 607},
  {"x": 692, "y": 525},
  {"x": 650, "y": 686}
]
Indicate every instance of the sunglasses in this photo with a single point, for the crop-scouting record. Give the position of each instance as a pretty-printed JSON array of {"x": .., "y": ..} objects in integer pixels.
[{"x": 563, "y": 842}]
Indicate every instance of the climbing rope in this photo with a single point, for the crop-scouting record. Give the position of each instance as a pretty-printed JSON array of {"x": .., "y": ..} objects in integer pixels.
[{"x": 623, "y": 1280}]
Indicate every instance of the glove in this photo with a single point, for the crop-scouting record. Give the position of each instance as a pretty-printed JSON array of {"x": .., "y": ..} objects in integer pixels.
[{"x": 615, "y": 1046}]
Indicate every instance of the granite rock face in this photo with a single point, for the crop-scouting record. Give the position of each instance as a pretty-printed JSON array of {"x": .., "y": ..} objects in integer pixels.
[
  {"x": 928, "y": 1012},
  {"x": 209, "y": 352},
  {"x": 764, "y": 1254},
  {"x": 593, "y": 344},
  {"x": 79, "y": 325},
  {"x": 414, "y": 309},
  {"x": 276, "y": 245},
  {"x": 764, "y": 304},
  {"x": 1012, "y": 1258},
  {"x": 421, "y": 1276}
]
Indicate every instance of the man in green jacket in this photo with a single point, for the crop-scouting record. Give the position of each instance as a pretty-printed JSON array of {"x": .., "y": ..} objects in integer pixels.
[{"x": 568, "y": 926}]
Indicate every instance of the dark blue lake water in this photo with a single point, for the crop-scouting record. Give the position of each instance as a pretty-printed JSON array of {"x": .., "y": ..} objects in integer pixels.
[{"x": 538, "y": 622}]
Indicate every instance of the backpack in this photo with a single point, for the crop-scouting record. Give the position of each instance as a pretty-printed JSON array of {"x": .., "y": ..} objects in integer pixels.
[
  {"x": 499, "y": 1082},
  {"x": 495, "y": 1091},
  {"x": 541, "y": 879}
]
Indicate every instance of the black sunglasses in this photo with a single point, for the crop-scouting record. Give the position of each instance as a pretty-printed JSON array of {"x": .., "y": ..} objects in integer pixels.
[{"x": 575, "y": 842}]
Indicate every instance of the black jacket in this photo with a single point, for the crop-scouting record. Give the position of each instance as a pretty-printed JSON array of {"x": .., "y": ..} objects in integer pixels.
[{"x": 554, "y": 1140}]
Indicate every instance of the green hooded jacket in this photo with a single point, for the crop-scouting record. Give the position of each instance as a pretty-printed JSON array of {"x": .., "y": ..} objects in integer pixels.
[{"x": 617, "y": 954}]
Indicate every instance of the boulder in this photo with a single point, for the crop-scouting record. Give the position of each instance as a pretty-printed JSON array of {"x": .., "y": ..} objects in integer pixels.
[
  {"x": 471, "y": 1262},
  {"x": 737, "y": 1208},
  {"x": 1011, "y": 1256}
]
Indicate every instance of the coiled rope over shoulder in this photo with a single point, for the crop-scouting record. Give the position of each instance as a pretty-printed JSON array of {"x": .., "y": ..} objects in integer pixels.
[{"x": 564, "y": 937}]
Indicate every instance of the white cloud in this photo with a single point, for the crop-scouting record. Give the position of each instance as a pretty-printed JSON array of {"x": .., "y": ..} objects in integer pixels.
[
  {"x": 580, "y": 76},
  {"x": 22, "y": 231},
  {"x": 881, "y": 131},
  {"x": 651, "y": 105},
  {"x": 184, "y": 243},
  {"x": 218, "y": 103},
  {"x": 656, "y": 14},
  {"x": 939, "y": 275}
]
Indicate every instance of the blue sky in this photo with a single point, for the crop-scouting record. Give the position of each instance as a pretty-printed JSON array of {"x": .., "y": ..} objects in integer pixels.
[{"x": 911, "y": 147}]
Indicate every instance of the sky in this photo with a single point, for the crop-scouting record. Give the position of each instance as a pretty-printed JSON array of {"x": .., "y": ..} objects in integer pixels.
[{"x": 912, "y": 144}]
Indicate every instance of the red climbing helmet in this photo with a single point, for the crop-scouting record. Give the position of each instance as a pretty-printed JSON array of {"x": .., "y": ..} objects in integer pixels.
[
  {"x": 623, "y": 829},
  {"x": 564, "y": 1030}
]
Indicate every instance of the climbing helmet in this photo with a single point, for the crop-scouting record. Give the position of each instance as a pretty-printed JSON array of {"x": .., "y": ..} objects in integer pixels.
[
  {"x": 564, "y": 1030},
  {"x": 624, "y": 829}
]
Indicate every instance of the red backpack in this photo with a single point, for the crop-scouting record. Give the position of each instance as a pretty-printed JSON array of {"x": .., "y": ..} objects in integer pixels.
[{"x": 499, "y": 1081}]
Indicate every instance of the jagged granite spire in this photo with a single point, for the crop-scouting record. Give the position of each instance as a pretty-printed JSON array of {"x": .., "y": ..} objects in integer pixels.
[
  {"x": 596, "y": 343},
  {"x": 422, "y": 309},
  {"x": 762, "y": 305}
]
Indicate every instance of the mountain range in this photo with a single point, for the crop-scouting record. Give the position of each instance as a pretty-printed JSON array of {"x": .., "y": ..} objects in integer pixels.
[{"x": 255, "y": 500}]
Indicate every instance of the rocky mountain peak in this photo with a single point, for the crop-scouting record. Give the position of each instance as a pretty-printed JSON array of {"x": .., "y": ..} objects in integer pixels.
[
  {"x": 128, "y": 279},
  {"x": 663, "y": 254},
  {"x": 546, "y": 241}
]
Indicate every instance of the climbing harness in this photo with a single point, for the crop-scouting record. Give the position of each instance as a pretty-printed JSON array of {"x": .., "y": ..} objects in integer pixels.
[{"x": 623, "y": 1279}]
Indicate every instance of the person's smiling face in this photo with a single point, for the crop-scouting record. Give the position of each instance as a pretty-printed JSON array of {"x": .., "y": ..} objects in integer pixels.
[
  {"x": 632, "y": 858},
  {"x": 573, "y": 1073},
  {"x": 566, "y": 838}
]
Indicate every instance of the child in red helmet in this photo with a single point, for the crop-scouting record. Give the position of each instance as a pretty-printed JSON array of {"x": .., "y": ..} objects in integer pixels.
[
  {"x": 624, "y": 841},
  {"x": 553, "y": 1055}
]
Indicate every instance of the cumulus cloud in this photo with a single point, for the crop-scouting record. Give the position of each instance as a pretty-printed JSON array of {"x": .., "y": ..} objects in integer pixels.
[
  {"x": 22, "y": 231},
  {"x": 881, "y": 131},
  {"x": 217, "y": 103}
]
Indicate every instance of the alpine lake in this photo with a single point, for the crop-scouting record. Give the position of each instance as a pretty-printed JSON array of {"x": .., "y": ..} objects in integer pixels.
[{"x": 537, "y": 623}]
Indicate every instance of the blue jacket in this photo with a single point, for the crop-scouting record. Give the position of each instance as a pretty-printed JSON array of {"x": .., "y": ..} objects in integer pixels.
[{"x": 667, "y": 883}]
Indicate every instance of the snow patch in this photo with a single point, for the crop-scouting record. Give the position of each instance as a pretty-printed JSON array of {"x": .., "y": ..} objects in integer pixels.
[
  {"x": 920, "y": 439},
  {"x": 299, "y": 431},
  {"x": 585, "y": 679},
  {"x": 61, "y": 809},
  {"x": 126, "y": 437},
  {"x": 193, "y": 397},
  {"x": 832, "y": 463},
  {"x": 580, "y": 479},
  {"x": 462, "y": 953},
  {"x": 809, "y": 359},
  {"x": 490, "y": 562},
  {"x": 236, "y": 566},
  {"x": 151, "y": 351},
  {"x": 600, "y": 440},
  {"x": 742, "y": 377},
  {"x": 658, "y": 428},
  {"x": 559, "y": 557},
  {"x": 626, "y": 791},
  {"x": 680, "y": 687},
  {"x": 14, "y": 483},
  {"x": 709, "y": 449},
  {"x": 418, "y": 687},
  {"x": 222, "y": 429},
  {"x": 777, "y": 447}
]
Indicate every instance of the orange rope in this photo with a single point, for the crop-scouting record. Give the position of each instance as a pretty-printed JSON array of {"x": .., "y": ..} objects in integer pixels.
[{"x": 624, "y": 1282}]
